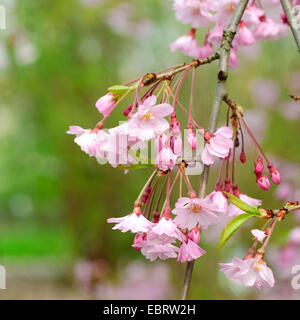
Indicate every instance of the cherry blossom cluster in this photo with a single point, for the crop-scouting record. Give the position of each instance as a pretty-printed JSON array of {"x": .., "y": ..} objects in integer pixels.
[
  {"x": 163, "y": 228},
  {"x": 215, "y": 15}
]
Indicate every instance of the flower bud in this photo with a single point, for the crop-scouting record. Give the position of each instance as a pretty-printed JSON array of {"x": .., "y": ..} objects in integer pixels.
[
  {"x": 137, "y": 239},
  {"x": 263, "y": 182},
  {"x": 191, "y": 138},
  {"x": 106, "y": 104},
  {"x": 275, "y": 175},
  {"x": 243, "y": 157},
  {"x": 194, "y": 235},
  {"x": 259, "y": 166},
  {"x": 127, "y": 110}
]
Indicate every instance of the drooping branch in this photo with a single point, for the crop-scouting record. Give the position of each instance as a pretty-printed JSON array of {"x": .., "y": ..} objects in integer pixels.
[
  {"x": 290, "y": 15},
  {"x": 220, "y": 92}
]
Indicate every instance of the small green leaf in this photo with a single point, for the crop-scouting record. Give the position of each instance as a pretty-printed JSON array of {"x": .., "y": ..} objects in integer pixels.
[
  {"x": 232, "y": 226},
  {"x": 243, "y": 205},
  {"x": 136, "y": 166},
  {"x": 119, "y": 91}
]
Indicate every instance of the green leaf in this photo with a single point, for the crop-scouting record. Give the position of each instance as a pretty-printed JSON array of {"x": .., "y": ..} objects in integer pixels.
[
  {"x": 136, "y": 166},
  {"x": 119, "y": 90},
  {"x": 243, "y": 205},
  {"x": 232, "y": 226}
]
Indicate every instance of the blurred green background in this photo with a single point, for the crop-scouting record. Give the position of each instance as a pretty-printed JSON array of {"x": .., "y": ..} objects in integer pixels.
[{"x": 56, "y": 59}]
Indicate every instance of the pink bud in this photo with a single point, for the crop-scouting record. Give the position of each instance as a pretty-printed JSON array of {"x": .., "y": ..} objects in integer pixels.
[
  {"x": 127, "y": 110},
  {"x": 243, "y": 157},
  {"x": 191, "y": 138},
  {"x": 195, "y": 235},
  {"x": 138, "y": 239},
  {"x": 275, "y": 175},
  {"x": 259, "y": 166},
  {"x": 176, "y": 144},
  {"x": 263, "y": 182},
  {"x": 227, "y": 186}
]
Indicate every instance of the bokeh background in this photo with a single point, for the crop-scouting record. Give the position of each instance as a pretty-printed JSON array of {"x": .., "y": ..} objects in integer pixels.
[{"x": 56, "y": 59}]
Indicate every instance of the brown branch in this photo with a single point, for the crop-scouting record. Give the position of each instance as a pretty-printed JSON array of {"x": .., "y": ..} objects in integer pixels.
[
  {"x": 290, "y": 15},
  {"x": 220, "y": 92}
]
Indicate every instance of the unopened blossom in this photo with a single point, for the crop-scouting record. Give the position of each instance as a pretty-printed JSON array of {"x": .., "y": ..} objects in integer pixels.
[
  {"x": 217, "y": 145},
  {"x": 259, "y": 235},
  {"x": 191, "y": 212},
  {"x": 134, "y": 222},
  {"x": 187, "y": 44},
  {"x": 189, "y": 251},
  {"x": 106, "y": 104},
  {"x": 192, "y": 138},
  {"x": 194, "y": 234},
  {"x": 194, "y": 12},
  {"x": 149, "y": 120},
  {"x": 249, "y": 272},
  {"x": 138, "y": 239},
  {"x": 275, "y": 175},
  {"x": 263, "y": 182},
  {"x": 166, "y": 159},
  {"x": 176, "y": 144},
  {"x": 259, "y": 165}
]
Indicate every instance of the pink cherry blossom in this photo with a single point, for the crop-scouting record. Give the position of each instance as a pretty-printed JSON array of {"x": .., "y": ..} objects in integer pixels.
[
  {"x": 259, "y": 235},
  {"x": 189, "y": 251},
  {"x": 268, "y": 29},
  {"x": 190, "y": 212},
  {"x": 187, "y": 44},
  {"x": 89, "y": 140},
  {"x": 76, "y": 130},
  {"x": 165, "y": 231},
  {"x": 193, "y": 12},
  {"x": 294, "y": 236},
  {"x": 225, "y": 9},
  {"x": 250, "y": 272},
  {"x": 205, "y": 50},
  {"x": 233, "y": 59},
  {"x": 216, "y": 34},
  {"x": 152, "y": 250},
  {"x": 244, "y": 36},
  {"x": 149, "y": 120},
  {"x": 218, "y": 199},
  {"x": 106, "y": 104},
  {"x": 133, "y": 222},
  {"x": 219, "y": 144},
  {"x": 166, "y": 159}
]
